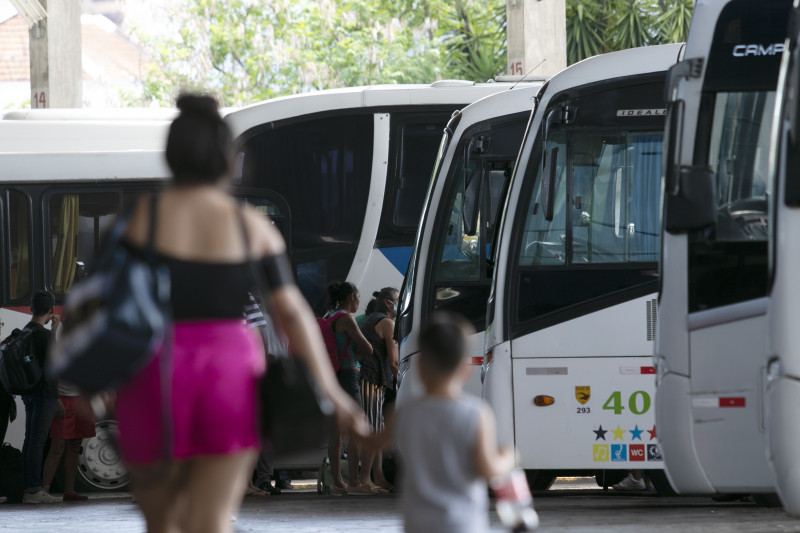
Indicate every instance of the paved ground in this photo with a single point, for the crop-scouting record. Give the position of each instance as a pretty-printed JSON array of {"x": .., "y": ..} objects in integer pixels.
[{"x": 571, "y": 506}]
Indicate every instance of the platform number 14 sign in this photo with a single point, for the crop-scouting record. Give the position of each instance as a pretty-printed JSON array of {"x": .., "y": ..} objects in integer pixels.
[{"x": 39, "y": 99}]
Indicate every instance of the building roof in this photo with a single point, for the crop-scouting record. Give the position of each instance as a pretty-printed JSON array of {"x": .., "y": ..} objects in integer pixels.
[{"x": 107, "y": 54}]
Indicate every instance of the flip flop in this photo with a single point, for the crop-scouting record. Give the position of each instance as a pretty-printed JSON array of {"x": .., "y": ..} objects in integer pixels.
[{"x": 359, "y": 490}]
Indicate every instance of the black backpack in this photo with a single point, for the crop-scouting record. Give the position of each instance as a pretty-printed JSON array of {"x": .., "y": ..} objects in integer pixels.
[
  {"x": 20, "y": 370},
  {"x": 11, "y": 473}
]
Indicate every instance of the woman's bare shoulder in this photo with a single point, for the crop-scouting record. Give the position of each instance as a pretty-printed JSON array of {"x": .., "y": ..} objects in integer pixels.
[{"x": 266, "y": 239}]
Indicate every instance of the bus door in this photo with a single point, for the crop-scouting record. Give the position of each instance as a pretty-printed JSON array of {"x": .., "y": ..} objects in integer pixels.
[
  {"x": 711, "y": 409},
  {"x": 458, "y": 271},
  {"x": 583, "y": 280}
]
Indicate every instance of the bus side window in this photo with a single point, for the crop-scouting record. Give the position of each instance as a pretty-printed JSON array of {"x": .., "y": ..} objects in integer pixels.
[
  {"x": 19, "y": 214},
  {"x": 77, "y": 223}
]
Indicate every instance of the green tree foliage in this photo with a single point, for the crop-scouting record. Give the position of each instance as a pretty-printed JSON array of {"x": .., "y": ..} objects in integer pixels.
[
  {"x": 250, "y": 50},
  {"x": 599, "y": 26}
]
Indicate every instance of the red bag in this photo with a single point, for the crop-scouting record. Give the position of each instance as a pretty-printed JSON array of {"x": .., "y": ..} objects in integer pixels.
[{"x": 326, "y": 326}]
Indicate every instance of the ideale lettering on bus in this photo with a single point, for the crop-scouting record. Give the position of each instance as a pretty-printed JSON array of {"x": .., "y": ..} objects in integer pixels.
[
  {"x": 641, "y": 112},
  {"x": 745, "y": 50}
]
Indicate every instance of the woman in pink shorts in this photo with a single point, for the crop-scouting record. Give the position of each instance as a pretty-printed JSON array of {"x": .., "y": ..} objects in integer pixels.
[{"x": 215, "y": 359}]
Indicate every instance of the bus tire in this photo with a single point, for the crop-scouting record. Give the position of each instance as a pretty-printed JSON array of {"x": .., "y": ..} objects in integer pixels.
[
  {"x": 100, "y": 466},
  {"x": 767, "y": 500},
  {"x": 540, "y": 479},
  {"x": 661, "y": 483}
]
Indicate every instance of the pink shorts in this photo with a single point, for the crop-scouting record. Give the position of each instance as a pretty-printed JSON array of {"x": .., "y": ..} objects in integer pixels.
[{"x": 216, "y": 366}]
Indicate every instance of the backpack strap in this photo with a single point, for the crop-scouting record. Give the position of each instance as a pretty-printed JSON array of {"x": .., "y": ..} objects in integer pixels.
[{"x": 331, "y": 317}]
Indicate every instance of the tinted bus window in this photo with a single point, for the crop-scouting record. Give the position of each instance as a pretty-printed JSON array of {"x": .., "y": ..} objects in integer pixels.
[
  {"x": 417, "y": 157},
  {"x": 321, "y": 169},
  {"x": 20, "y": 244},
  {"x": 604, "y": 236},
  {"x": 77, "y": 222}
]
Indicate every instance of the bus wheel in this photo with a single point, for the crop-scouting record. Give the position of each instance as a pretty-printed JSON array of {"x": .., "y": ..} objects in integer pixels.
[
  {"x": 99, "y": 464},
  {"x": 540, "y": 479},
  {"x": 661, "y": 483}
]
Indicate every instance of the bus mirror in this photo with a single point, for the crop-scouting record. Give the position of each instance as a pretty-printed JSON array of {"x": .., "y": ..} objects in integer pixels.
[
  {"x": 672, "y": 159},
  {"x": 549, "y": 183},
  {"x": 694, "y": 207}
]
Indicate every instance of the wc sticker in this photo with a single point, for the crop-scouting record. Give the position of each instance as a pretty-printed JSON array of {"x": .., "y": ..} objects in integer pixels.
[{"x": 636, "y": 452}]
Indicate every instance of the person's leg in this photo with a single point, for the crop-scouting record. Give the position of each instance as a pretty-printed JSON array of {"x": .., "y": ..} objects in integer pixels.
[
  {"x": 335, "y": 457},
  {"x": 51, "y": 462},
  {"x": 264, "y": 466},
  {"x": 71, "y": 466},
  {"x": 26, "y": 444},
  {"x": 42, "y": 413},
  {"x": 5, "y": 412},
  {"x": 212, "y": 493},
  {"x": 353, "y": 458},
  {"x": 160, "y": 492}
]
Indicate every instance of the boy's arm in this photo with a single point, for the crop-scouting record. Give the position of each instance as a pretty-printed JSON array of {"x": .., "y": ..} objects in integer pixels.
[
  {"x": 489, "y": 461},
  {"x": 382, "y": 440}
]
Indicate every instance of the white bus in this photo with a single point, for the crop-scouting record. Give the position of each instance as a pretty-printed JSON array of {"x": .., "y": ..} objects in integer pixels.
[
  {"x": 710, "y": 356},
  {"x": 342, "y": 173},
  {"x": 783, "y": 349},
  {"x": 451, "y": 265},
  {"x": 571, "y": 316}
]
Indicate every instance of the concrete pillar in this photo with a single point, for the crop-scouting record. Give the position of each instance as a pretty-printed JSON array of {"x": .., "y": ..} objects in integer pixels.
[
  {"x": 537, "y": 31},
  {"x": 55, "y": 46}
]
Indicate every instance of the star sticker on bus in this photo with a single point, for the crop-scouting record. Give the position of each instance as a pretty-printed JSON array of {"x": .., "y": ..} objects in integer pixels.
[
  {"x": 652, "y": 432},
  {"x": 601, "y": 433},
  {"x": 619, "y": 433},
  {"x": 636, "y": 433}
]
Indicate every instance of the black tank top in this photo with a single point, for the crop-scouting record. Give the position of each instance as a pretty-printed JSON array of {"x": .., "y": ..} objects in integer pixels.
[{"x": 203, "y": 290}]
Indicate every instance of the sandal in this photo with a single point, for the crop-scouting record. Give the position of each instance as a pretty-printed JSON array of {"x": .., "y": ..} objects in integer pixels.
[
  {"x": 338, "y": 491},
  {"x": 359, "y": 490}
]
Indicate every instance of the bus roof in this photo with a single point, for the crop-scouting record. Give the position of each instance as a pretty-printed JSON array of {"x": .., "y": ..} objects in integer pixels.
[
  {"x": 446, "y": 92},
  {"x": 631, "y": 62},
  {"x": 520, "y": 99}
]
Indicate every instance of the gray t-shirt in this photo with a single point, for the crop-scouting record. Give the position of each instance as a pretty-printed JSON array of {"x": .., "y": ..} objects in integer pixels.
[{"x": 441, "y": 491}]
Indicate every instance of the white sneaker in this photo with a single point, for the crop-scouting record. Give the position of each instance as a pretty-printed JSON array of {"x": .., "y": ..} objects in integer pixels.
[
  {"x": 629, "y": 483},
  {"x": 40, "y": 496}
]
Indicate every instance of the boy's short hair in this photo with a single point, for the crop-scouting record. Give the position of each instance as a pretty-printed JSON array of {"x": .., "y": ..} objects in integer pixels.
[
  {"x": 42, "y": 302},
  {"x": 443, "y": 342}
]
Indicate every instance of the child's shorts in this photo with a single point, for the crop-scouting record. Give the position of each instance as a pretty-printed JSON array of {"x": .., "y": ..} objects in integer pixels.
[{"x": 215, "y": 370}]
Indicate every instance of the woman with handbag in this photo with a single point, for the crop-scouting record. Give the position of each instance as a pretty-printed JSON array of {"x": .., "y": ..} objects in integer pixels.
[
  {"x": 189, "y": 477},
  {"x": 377, "y": 376}
]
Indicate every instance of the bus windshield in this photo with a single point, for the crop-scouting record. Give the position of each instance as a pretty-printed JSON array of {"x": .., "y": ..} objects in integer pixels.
[{"x": 739, "y": 156}]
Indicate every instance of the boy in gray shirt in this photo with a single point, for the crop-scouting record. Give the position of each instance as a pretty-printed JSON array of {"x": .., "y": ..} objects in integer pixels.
[{"x": 446, "y": 438}]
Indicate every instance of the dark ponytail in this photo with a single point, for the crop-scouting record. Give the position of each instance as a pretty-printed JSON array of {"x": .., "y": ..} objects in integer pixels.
[{"x": 337, "y": 292}]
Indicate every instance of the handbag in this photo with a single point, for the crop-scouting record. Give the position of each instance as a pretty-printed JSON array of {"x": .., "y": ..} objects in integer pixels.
[
  {"x": 296, "y": 416},
  {"x": 116, "y": 318}
]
